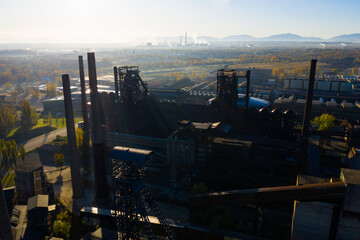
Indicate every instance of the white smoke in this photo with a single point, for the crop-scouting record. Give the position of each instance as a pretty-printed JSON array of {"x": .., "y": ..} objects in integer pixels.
[{"x": 200, "y": 41}]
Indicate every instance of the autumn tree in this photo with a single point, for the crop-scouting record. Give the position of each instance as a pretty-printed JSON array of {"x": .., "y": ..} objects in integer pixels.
[
  {"x": 324, "y": 122},
  {"x": 28, "y": 114},
  {"x": 354, "y": 71},
  {"x": 36, "y": 92},
  {"x": 50, "y": 90},
  {"x": 203, "y": 74}
]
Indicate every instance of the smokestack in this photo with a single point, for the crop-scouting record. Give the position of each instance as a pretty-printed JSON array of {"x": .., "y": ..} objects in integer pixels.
[
  {"x": 5, "y": 228},
  {"x": 247, "y": 76},
  {"x": 70, "y": 127},
  {"x": 85, "y": 114},
  {"x": 180, "y": 40},
  {"x": 116, "y": 83},
  {"x": 101, "y": 186},
  {"x": 185, "y": 38},
  {"x": 307, "y": 115}
]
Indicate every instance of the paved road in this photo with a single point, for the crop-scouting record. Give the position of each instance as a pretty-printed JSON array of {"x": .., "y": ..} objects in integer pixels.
[{"x": 43, "y": 139}]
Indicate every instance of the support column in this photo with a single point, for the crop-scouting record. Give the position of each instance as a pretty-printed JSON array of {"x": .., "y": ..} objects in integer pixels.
[
  {"x": 70, "y": 127},
  {"x": 101, "y": 186}
]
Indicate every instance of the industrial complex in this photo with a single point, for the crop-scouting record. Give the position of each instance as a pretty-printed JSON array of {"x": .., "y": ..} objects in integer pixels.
[{"x": 234, "y": 157}]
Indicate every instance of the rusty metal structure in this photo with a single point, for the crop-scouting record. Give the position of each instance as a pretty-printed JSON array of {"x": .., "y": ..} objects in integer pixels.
[
  {"x": 132, "y": 201},
  {"x": 227, "y": 92},
  {"x": 227, "y": 88},
  {"x": 131, "y": 87}
]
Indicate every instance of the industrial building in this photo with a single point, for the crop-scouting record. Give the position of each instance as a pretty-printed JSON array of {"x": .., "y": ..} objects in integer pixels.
[
  {"x": 30, "y": 179},
  {"x": 244, "y": 172}
]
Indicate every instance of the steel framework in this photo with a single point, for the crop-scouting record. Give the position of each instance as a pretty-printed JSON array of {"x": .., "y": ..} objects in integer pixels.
[
  {"x": 227, "y": 89},
  {"x": 131, "y": 86},
  {"x": 132, "y": 201}
]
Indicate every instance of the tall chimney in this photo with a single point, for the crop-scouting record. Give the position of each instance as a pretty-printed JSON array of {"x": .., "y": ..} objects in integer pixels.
[
  {"x": 85, "y": 115},
  {"x": 116, "y": 83},
  {"x": 306, "y": 118},
  {"x": 185, "y": 38},
  {"x": 247, "y": 76},
  {"x": 101, "y": 186},
  {"x": 70, "y": 127},
  {"x": 5, "y": 228}
]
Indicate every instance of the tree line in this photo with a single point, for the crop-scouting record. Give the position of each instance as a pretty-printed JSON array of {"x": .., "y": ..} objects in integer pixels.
[{"x": 9, "y": 153}]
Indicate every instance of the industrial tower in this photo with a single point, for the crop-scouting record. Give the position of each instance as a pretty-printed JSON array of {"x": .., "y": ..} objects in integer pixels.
[
  {"x": 131, "y": 87},
  {"x": 132, "y": 201}
]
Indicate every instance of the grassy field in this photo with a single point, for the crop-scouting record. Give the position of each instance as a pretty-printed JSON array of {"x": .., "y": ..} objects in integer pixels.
[
  {"x": 9, "y": 179},
  {"x": 21, "y": 134}
]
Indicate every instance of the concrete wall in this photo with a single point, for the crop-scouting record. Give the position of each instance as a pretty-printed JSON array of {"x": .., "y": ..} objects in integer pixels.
[{"x": 312, "y": 220}]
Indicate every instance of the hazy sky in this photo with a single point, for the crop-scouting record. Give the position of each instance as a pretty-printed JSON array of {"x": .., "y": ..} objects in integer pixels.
[{"x": 109, "y": 21}]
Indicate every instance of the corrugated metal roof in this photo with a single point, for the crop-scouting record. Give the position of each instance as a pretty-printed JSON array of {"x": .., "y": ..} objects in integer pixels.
[{"x": 129, "y": 154}]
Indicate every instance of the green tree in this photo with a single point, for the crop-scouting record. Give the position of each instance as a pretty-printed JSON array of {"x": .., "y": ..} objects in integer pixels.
[
  {"x": 28, "y": 114},
  {"x": 80, "y": 142},
  {"x": 324, "y": 122},
  {"x": 7, "y": 121},
  {"x": 61, "y": 229},
  {"x": 22, "y": 152},
  {"x": 59, "y": 159},
  {"x": 49, "y": 118},
  {"x": 199, "y": 188},
  {"x": 19, "y": 89}
]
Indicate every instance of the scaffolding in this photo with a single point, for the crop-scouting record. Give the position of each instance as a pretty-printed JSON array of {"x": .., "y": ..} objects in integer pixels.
[
  {"x": 131, "y": 87},
  {"x": 132, "y": 201}
]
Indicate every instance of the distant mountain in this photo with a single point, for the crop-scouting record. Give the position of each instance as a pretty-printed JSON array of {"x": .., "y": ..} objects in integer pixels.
[
  {"x": 290, "y": 37},
  {"x": 243, "y": 37},
  {"x": 285, "y": 37},
  {"x": 355, "y": 37}
]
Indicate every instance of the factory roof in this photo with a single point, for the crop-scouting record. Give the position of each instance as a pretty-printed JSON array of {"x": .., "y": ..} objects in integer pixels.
[
  {"x": 350, "y": 176},
  {"x": 234, "y": 142},
  {"x": 30, "y": 163},
  {"x": 129, "y": 154},
  {"x": 38, "y": 201}
]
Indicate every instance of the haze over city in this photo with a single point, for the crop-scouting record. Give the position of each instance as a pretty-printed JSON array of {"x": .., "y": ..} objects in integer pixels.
[{"x": 111, "y": 21}]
